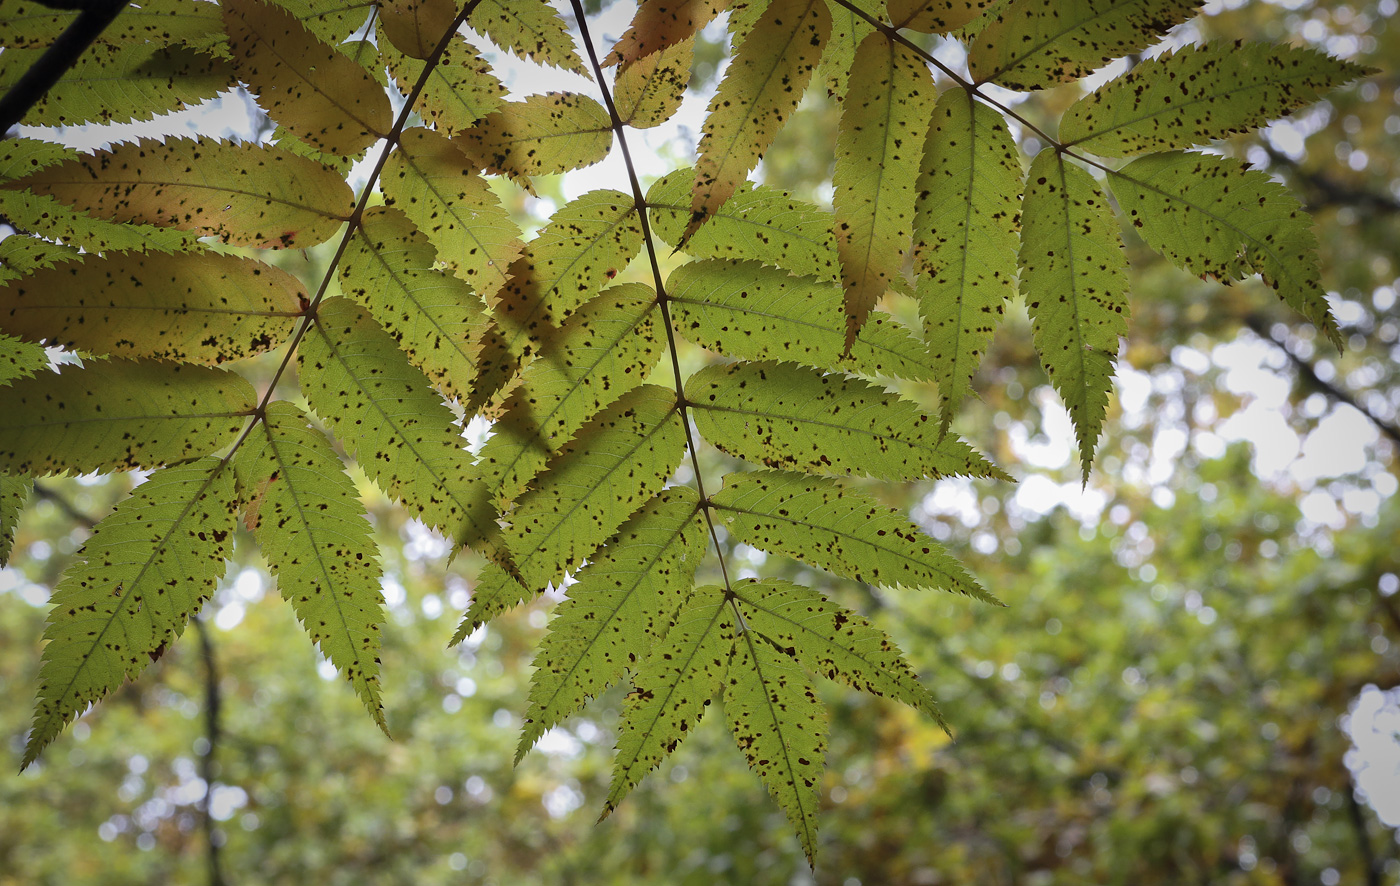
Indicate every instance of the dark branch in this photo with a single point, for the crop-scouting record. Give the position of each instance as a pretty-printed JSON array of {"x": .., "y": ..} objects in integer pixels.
[
  {"x": 213, "y": 702},
  {"x": 1260, "y": 326},
  {"x": 93, "y": 18}
]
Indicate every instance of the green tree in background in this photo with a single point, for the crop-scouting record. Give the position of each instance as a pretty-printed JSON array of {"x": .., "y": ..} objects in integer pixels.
[{"x": 1159, "y": 703}]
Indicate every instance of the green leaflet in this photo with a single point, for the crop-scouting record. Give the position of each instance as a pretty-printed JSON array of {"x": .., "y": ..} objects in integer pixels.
[
  {"x": 120, "y": 83},
  {"x": 32, "y": 25},
  {"x": 1032, "y": 44},
  {"x": 19, "y": 359},
  {"x": 784, "y": 416},
  {"x": 883, "y": 121},
  {"x": 660, "y": 24},
  {"x": 746, "y": 310},
  {"x": 432, "y": 182},
  {"x": 320, "y": 94},
  {"x": 385, "y": 412},
  {"x": 436, "y": 318},
  {"x": 620, "y": 606},
  {"x": 838, "y": 529},
  {"x": 544, "y": 134},
  {"x": 587, "y": 242},
  {"x": 531, "y": 29},
  {"x": 1073, "y": 275},
  {"x": 1214, "y": 215},
  {"x": 119, "y": 414},
  {"x": 146, "y": 569},
  {"x": 848, "y": 30},
  {"x": 966, "y": 219},
  {"x": 764, "y": 82},
  {"x": 496, "y": 592},
  {"x": 31, "y": 212},
  {"x": 460, "y": 90},
  {"x": 313, "y": 530},
  {"x": 22, "y": 156},
  {"x": 329, "y": 20},
  {"x": 21, "y": 255},
  {"x": 244, "y": 194},
  {"x": 828, "y": 638},
  {"x": 190, "y": 307},
  {"x": 415, "y": 27},
  {"x": 601, "y": 353},
  {"x": 615, "y": 464},
  {"x": 1200, "y": 93},
  {"x": 14, "y": 494},
  {"x": 780, "y": 725},
  {"x": 759, "y": 223},
  {"x": 938, "y": 17},
  {"x": 674, "y": 685},
  {"x": 648, "y": 92}
]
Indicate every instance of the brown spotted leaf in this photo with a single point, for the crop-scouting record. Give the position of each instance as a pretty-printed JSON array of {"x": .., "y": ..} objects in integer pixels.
[
  {"x": 966, "y": 219},
  {"x": 746, "y": 310},
  {"x": 320, "y": 94},
  {"x": 848, "y": 30},
  {"x": 1074, "y": 278},
  {"x": 780, "y": 725},
  {"x": 622, "y": 603},
  {"x": 415, "y": 27},
  {"x": 831, "y": 640},
  {"x": 460, "y": 89},
  {"x": 313, "y": 531},
  {"x": 532, "y": 29},
  {"x": 784, "y": 416},
  {"x": 188, "y": 307},
  {"x": 878, "y": 151},
  {"x": 661, "y": 24},
  {"x": 435, "y": 317},
  {"x": 673, "y": 686},
  {"x": 385, "y": 411},
  {"x": 544, "y": 134},
  {"x": 934, "y": 16},
  {"x": 1032, "y": 44},
  {"x": 1215, "y": 216},
  {"x": 119, "y": 414},
  {"x": 244, "y": 194},
  {"x": 839, "y": 529},
  {"x": 432, "y": 182},
  {"x": 147, "y": 568},
  {"x": 647, "y": 93},
  {"x": 31, "y": 25},
  {"x": 1200, "y": 93},
  {"x": 618, "y": 461},
  {"x": 76, "y": 230},
  {"x": 764, "y": 82},
  {"x": 120, "y": 83},
  {"x": 604, "y": 350}
]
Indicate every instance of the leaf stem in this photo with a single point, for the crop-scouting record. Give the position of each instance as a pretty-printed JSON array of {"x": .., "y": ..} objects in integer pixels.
[{"x": 639, "y": 201}]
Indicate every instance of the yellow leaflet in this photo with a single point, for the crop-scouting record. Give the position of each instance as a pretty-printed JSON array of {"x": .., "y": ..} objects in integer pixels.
[
  {"x": 436, "y": 318},
  {"x": 1032, "y": 44},
  {"x": 883, "y": 122},
  {"x": 763, "y": 84},
  {"x": 415, "y": 27},
  {"x": 934, "y": 16},
  {"x": 317, "y": 92},
  {"x": 531, "y": 29},
  {"x": 460, "y": 90},
  {"x": 432, "y": 182},
  {"x": 543, "y": 134},
  {"x": 659, "y": 24},
  {"x": 244, "y": 194},
  {"x": 190, "y": 307},
  {"x": 649, "y": 92}
]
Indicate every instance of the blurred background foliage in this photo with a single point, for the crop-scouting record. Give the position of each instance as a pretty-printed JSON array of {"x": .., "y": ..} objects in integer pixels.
[{"x": 1195, "y": 680}]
